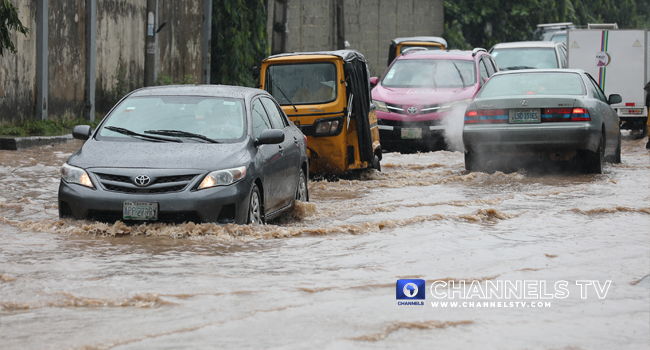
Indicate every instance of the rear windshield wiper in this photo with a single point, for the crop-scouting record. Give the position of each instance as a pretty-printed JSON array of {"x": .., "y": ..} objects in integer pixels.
[
  {"x": 518, "y": 67},
  {"x": 135, "y": 134},
  {"x": 180, "y": 133}
]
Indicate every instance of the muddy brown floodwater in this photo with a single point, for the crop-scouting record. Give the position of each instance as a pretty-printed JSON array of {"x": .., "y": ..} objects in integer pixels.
[{"x": 325, "y": 276}]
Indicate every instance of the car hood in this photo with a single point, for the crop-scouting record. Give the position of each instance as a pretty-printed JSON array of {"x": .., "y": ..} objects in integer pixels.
[
  {"x": 158, "y": 155},
  {"x": 422, "y": 96}
]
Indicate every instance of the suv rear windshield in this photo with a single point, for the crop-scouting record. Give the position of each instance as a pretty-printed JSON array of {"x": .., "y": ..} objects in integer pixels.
[
  {"x": 432, "y": 73},
  {"x": 302, "y": 83},
  {"x": 525, "y": 58},
  {"x": 533, "y": 84}
]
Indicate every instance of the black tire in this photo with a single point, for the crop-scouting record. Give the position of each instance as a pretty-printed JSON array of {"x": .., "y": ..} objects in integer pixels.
[
  {"x": 471, "y": 161},
  {"x": 617, "y": 155},
  {"x": 255, "y": 207},
  {"x": 302, "y": 191},
  {"x": 593, "y": 162},
  {"x": 376, "y": 163}
]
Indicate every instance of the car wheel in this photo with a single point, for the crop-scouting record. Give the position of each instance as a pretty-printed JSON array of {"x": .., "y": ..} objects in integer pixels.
[
  {"x": 593, "y": 162},
  {"x": 376, "y": 163},
  {"x": 255, "y": 207},
  {"x": 470, "y": 161},
  {"x": 302, "y": 192},
  {"x": 617, "y": 155}
]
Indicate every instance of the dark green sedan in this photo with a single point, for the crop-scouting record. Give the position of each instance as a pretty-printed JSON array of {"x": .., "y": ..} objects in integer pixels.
[{"x": 556, "y": 114}]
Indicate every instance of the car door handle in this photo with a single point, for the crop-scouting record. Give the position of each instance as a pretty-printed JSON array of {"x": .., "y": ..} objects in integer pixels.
[
  {"x": 280, "y": 149},
  {"x": 295, "y": 140}
]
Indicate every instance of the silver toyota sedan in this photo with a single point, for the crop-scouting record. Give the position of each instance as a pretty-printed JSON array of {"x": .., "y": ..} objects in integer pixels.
[{"x": 556, "y": 114}]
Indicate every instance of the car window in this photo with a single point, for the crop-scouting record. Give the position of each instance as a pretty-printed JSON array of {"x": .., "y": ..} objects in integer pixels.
[
  {"x": 595, "y": 89},
  {"x": 525, "y": 57},
  {"x": 562, "y": 57},
  {"x": 276, "y": 118},
  {"x": 214, "y": 117},
  {"x": 261, "y": 120},
  {"x": 482, "y": 69},
  {"x": 430, "y": 73},
  {"x": 490, "y": 68},
  {"x": 545, "y": 83}
]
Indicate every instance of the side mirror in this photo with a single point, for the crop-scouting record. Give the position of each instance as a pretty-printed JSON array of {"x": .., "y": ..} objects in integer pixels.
[
  {"x": 373, "y": 82},
  {"x": 614, "y": 99},
  {"x": 270, "y": 137},
  {"x": 256, "y": 72},
  {"x": 81, "y": 132}
]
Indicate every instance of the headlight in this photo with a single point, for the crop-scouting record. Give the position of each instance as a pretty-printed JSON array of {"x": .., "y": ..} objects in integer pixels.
[
  {"x": 71, "y": 174},
  {"x": 448, "y": 106},
  {"x": 223, "y": 177},
  {"x": 381, "y": 106},
  {"x": 331, "y": 126}
]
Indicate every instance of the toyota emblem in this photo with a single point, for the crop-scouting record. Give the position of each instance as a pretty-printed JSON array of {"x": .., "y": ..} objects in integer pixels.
[
  {"x": 524, "y": 103},
  {"x": 412, "y": 110},
  {"x": 142, "y": 180}
]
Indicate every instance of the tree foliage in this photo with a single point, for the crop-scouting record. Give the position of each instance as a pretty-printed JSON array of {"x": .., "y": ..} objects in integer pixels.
[
  {"x": 485, "y": 23},
  {"x": 9, "y": 22},
  {"x": 239, "y": 40}
]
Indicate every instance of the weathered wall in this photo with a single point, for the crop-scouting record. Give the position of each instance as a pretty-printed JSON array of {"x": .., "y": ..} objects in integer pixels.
[
  {"x": 17, "y": 74},
  {"x": 370, "y": 25},
  {"x": 120, "y": 41}
]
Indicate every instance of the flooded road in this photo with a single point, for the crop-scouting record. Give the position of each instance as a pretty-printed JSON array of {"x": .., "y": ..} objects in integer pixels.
[{"x": 325, "y": 277}]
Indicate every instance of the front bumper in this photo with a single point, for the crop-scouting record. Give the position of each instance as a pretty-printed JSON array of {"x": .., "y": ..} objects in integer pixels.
[
  {"x": 510, "y": 138},
  {"x": 223, "y": 204}
]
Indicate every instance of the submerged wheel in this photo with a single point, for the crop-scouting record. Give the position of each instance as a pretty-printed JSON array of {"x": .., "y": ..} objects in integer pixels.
[
  {"x": 470, "y": 161},
  {"x": 593, "y": 162},
  {"x": 617, "y": 155},
  {"x": 376, "y": 163},
  {"x": 302, "y": 192},
  {"x": 255, "y": 207}
]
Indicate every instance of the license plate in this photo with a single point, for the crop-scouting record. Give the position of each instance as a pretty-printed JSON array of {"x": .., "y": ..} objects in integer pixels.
[
  {"x": 411, "y": 133},
  {"x": 140, "y": 211},
  {"x": 524, "y": 116}
]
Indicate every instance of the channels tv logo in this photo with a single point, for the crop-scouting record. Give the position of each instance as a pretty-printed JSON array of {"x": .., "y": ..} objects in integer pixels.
[{"x": 410, "y": 292}]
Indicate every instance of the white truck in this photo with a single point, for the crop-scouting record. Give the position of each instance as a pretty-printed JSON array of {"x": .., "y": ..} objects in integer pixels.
[{"x": 619, "y": 62}]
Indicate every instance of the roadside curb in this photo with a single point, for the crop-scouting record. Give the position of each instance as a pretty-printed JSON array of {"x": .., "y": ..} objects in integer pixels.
[{"x": 16, "y": 143}]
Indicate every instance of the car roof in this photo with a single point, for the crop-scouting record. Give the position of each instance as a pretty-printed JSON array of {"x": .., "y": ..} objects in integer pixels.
[
  {"x": 431, "y": 54},
  {"x": 198, "y": 90},
  {"x": 518, "y": 44},
  {"x": 540, "y": 70}
]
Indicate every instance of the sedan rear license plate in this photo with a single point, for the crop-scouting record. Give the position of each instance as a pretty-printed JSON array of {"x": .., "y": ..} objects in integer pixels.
[
  {"x": 517, "y": 116},
  {"x": 411, "y": 133},
  {"x": 140, "y": 211}
]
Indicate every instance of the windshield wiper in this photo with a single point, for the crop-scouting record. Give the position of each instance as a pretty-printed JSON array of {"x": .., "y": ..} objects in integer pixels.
[
  {"x": 518, "y": 67},
  {"x": 180, "y": 133},
  {"x": 135, "y": 134},
  {"x": 460, "y": 74},
  {"x": 283, "y": 94}
]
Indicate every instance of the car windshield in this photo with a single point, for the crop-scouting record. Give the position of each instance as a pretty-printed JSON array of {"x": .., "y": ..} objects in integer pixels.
[
  {"x": 432, "y": 73},
  {"x": 214, "y": 117},
  {"x": 302, "y": 83},
  {"x": 525, "y": 57},
  {"x": 533, "y": 84}
]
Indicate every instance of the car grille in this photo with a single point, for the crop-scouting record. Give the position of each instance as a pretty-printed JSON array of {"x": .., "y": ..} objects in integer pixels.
[
  {"x": 400, "y": 109},
  {"x": 416, "y": 124},
  {"x": 162, "y": 184},
  {"x": 111, "y": 216}
]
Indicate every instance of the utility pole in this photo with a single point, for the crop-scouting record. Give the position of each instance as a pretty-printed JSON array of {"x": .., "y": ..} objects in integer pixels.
[
  {"x": 91, "y": 28},
  {"x": 151, "y": 48},
  {"x": 41, "y": 59},
  {"x": 280, "y": 26}
]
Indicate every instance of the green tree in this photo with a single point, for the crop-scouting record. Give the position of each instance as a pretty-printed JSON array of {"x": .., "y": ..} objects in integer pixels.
[
  {"x": 239, "y": 40},
  {"x": 9, "y": 22}
]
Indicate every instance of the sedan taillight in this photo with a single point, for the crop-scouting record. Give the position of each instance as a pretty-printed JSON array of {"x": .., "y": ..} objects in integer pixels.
[
  {"x": 565, "y": 115},
  {"x": 486, "y": 116}
]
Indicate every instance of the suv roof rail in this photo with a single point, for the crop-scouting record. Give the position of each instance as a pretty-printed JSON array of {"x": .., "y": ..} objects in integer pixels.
[
  {"x": 562, "y": 24},
  {"x": 477, "y": 50},
  {"x": 413, "y": 49}
]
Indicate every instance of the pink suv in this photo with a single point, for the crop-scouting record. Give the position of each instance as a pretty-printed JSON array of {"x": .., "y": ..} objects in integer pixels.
[{"x": 421, "y": 98}]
